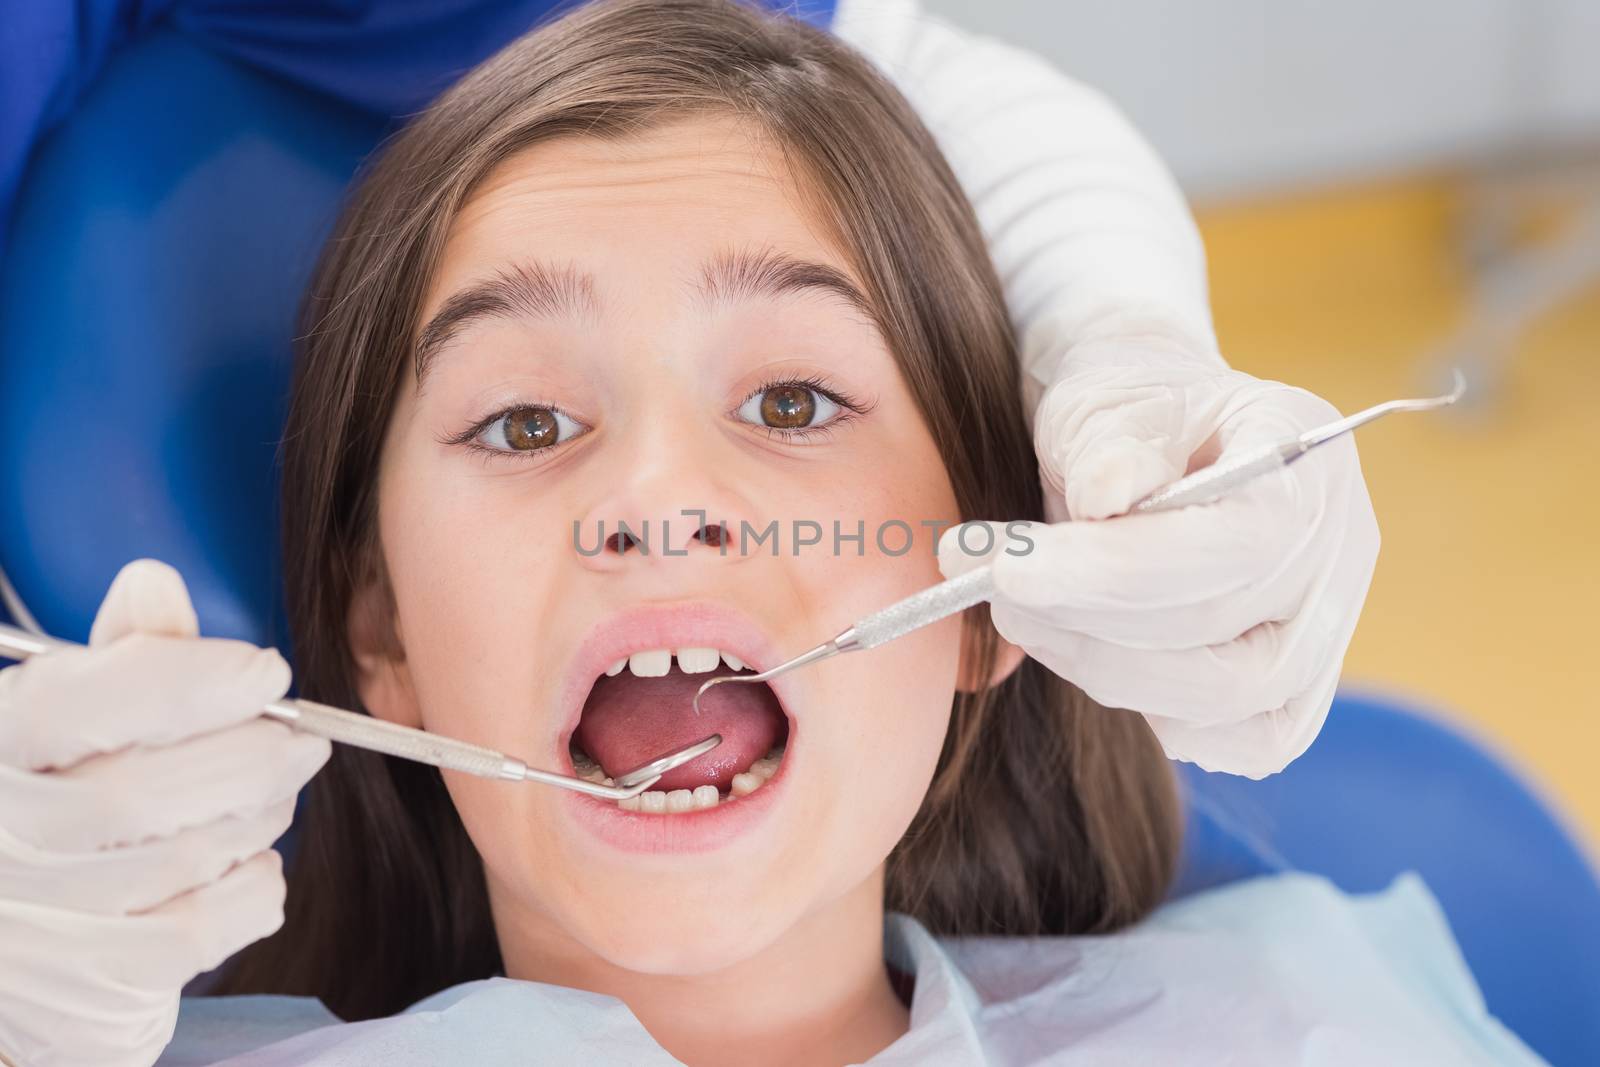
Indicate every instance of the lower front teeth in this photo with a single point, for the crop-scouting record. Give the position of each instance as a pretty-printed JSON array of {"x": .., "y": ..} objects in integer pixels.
[{"x": 659, "y": 801}]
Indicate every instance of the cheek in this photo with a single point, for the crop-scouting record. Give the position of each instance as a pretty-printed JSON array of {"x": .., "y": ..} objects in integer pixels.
[
  {"x": 885, "y": 732},
  {"x": 470, "y": 630},
  {"x": 474, "y": 569},
  {"x": 875, "y": 721}
]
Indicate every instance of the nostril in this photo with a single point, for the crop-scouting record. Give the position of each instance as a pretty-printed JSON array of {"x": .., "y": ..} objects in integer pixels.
[
  {"x": 626, "y": 537},
  {"x": 622, "y": 540}
]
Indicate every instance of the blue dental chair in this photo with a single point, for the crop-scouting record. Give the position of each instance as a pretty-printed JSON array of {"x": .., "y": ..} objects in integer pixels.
[{"x": 158, "y": 248}]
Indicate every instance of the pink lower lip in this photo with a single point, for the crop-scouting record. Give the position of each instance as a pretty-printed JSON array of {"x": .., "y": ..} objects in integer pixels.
[
  {"x": 700, "y": 624},
  {"x": 690, "y": 831},
  {"x": 697, "y": 624}
]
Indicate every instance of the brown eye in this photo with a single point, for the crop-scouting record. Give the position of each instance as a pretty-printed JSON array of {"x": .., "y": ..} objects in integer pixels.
[
  {"x": 788, "y": 407},
  {"x": 530, "y": 429}
]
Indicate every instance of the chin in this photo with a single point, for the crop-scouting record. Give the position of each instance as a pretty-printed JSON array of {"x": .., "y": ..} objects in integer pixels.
[{"x": 693, "y": 937}]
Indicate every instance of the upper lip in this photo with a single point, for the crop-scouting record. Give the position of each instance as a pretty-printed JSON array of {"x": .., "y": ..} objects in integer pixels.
[{"x": 681, "y": 624}]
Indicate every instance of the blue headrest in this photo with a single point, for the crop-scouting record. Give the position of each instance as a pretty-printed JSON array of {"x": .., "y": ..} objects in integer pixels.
[
  {"x": 1387, "y": 789},
  {"x": 160, "y": 244}
]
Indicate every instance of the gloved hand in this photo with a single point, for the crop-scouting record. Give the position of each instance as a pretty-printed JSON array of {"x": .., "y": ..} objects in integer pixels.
[
  {"x": 139, "y": 796},
  {"x": 1226, "y": 624}
]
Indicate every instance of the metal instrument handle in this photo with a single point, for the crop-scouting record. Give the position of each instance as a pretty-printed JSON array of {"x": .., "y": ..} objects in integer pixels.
[
  {"x": 379, "y": 735},
  {"x": 920, "y": 609},
  {"x": 1219, "y": 479}
]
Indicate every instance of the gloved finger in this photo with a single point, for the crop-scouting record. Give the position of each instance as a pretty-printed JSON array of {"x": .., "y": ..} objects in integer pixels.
[
  {"x": 1260, "y": 745},
  {"x": 1119, "y": 471},
  {"x": 59, "y": 998},
  {"x": 1107, "y": 439},
  {"x": 1212, "y": 570},
  {"x": 140, "y": 794},
  {"x": 58, "y": 708},
  {"x": 146, "y": 596},
  {"x": 1206, "y": 686},
  {"x": 193, "y": 933},
  {"x": 1195, "y": 576},
  {"x": 152, "y": 952},
  {"x": 972, "y": 544},
  {"x": 118, "y": 881},
  {"x": 1177, "y": 579}
]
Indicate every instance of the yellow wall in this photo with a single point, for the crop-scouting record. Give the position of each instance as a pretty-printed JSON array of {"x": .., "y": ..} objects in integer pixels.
[{"x": 1485, "y": 598}]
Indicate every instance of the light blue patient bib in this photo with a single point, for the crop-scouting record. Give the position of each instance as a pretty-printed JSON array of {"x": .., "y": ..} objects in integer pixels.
[{"x": 1283, "y": 970}]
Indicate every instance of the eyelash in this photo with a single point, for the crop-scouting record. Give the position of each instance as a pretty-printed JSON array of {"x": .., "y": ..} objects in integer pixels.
[
  {"x": 849, "y": 408},
  {"x": 469, "y": 436}
]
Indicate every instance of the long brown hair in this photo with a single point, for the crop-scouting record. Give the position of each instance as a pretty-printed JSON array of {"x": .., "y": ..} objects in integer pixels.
[{"x": 1047, "y": 814}]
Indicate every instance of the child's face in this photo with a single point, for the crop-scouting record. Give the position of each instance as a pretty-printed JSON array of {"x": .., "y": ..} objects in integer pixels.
[{"x": 647, "y": 373}]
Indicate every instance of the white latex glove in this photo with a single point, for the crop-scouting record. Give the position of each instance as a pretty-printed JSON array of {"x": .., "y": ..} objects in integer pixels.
[
  {"x": 1226, "y": 623},
  {"x": 140, "y": 794}
]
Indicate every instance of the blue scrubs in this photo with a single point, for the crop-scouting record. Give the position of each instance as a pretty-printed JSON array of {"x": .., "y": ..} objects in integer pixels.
[{"x": 388, "y": 57}]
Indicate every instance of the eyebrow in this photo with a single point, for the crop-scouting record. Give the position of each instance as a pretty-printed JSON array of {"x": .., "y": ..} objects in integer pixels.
[
  {"x": 537, "y": 291},
  {"x": 527, "y": 290},
  {"x": 745, "y": 275}
]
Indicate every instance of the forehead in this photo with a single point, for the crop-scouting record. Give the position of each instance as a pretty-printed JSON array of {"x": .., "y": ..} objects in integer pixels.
[{"x": 660, "y": 200}]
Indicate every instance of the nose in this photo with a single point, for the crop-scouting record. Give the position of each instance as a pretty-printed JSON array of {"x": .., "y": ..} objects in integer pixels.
[
  {"x": 668, "y": 502},
  {"x": 642, "y": 537}
]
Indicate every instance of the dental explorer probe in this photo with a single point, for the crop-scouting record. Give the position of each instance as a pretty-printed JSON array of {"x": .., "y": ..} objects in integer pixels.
[
  {"x": 377, "y": 735},
  {"x": 1202, "y": 487}
]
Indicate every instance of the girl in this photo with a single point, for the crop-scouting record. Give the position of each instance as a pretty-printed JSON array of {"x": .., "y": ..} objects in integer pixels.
[
  {"x": 662, "y": 257},
  {"x": 673, "y": 257}
]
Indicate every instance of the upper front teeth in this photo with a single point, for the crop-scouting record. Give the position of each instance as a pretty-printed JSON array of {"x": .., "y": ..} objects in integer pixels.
[
  {"x": 651, "y": 664},
  {"x": 656, "y": 662},
  {"x": 698, "y": 660}
]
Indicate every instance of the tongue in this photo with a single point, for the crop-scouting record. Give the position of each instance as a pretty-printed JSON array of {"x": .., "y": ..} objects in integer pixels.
[{"x": 628, "y": 721}]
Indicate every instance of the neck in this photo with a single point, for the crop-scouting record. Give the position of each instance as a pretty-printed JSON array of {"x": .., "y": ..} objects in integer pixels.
[{"x": 819, "y": 994}]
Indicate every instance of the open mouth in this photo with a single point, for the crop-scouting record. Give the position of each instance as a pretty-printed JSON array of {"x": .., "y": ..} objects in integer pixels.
[{"x": 643, "y": 706}]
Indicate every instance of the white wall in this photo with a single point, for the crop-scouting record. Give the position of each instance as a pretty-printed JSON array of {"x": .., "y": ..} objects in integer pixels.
[{"x": 1245, "y": 95}]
